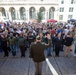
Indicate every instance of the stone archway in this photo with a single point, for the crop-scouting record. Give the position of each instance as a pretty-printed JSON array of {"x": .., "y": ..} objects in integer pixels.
[
  {"x": 51, "y": 13},
  {"x": 22, "y": 13},
  {"x": 12, "y": 13},
  {"x": 2, "y": 11},
  {"x": 42, "y": 11},
  {"x": 32, "y": 13}
]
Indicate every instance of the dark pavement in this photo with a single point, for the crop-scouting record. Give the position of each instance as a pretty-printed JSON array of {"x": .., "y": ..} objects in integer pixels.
[{"x": 25, "y": 66}]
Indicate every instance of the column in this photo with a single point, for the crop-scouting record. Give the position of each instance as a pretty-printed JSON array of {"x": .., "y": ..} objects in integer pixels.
[
  {"x": 10, "y": 17},
  {"x": 27, "y": 15},
  {"x": 37, "y": 11},
  {"x": 56, "y": 17},
  {"x": 17, "y": 14},
  {"x": 0, "y": 13},
  {"x": 7, "y": 14},
  {"x": 48, "y": 14},
  {"x": 45, "y": 15}
]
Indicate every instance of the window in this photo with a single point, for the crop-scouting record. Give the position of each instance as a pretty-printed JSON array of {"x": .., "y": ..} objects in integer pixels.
[
  {"x": 61, "y": 17},
  {"x": 70, "y": 16},
  {"x": 72, "y": 1},
  {"x": 71, "y": 9},
  {"x": 62, "y": 1},
  {"x": 62, "y": 9}
]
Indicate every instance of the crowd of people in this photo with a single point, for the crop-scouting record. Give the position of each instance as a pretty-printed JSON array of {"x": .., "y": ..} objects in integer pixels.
[{"x": 20, "y": 36}]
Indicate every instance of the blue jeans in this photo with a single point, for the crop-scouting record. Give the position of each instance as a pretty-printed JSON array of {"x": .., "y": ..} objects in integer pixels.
[
  {"x": 53, "y": 46},
  {"x": 48, "y": 51},
  {"x": 17, "y": 47},
  {"x": 13, "y": 49}
]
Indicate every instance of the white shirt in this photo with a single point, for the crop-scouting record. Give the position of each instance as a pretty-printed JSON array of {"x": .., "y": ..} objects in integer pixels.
[{"x": 66, "y": 31}]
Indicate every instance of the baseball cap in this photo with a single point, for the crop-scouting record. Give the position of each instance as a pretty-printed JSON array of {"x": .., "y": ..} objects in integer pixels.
[{"x": 38, "y": 37}]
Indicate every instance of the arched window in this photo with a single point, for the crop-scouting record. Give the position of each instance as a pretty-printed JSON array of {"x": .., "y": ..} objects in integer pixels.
[
  {"x": 51, "y": 13},
  {"x": 13, "y": 14},
  {"x": 32, "y": 13},
  {"x": 2, "y": 11},
  {"x": 22, "y": 13},
  {"x": 42, "y": 11}
]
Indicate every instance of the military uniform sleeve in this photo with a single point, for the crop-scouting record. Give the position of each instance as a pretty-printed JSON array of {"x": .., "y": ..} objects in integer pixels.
[
  {"x": 16, "y": 39},
  {"x": 31, "y": 51},
  {"x": 49, "y": 44}
]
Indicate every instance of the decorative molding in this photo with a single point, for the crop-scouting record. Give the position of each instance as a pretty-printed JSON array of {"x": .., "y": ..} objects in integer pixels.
[{"x": 30, "y": 4}]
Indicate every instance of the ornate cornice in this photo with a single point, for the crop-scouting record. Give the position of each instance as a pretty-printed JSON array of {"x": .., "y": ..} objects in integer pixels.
[{"x": 30, "y": 4}]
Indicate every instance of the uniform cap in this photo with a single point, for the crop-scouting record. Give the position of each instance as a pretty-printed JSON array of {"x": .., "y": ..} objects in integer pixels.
[{"x": 38, "y": 37}]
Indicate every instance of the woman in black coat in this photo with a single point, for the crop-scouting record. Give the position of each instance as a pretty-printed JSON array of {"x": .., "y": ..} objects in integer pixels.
[
  {"x": 58, "y": 44},
  {"x": 4, "y": 45},
  {"x": 68, "y": 43}
]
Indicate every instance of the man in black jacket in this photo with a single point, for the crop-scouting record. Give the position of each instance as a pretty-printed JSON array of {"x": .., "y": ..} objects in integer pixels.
[{"x": 37, "y": 53}]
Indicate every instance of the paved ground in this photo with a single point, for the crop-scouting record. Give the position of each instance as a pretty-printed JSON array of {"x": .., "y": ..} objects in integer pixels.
[{"x": 25, "y": 66}]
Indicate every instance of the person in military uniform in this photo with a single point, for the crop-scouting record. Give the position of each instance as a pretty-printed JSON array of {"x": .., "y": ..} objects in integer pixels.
[
  {"x": 12, "y": 42},
  {"x": 37, "y": 53},
  {"x": 3, "y": 40},
  {"x": 21, "y": 43}
]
